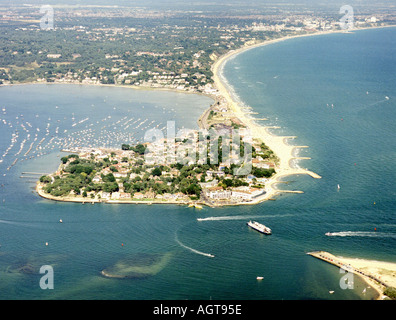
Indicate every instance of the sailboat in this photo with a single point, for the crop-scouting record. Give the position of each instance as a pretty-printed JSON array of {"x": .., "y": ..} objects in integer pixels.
[{"x": 338, "y": 187}]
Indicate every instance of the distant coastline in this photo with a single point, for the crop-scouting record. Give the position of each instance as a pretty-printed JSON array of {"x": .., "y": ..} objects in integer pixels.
[{"x": 274, "y": 142}]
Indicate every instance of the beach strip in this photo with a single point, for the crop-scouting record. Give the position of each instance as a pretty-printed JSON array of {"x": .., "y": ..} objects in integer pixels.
[
  {"x": 378, "y": 274},
  {"x": 276, "y": 143}
]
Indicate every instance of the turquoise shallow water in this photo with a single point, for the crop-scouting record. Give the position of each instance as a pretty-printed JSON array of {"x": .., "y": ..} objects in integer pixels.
[{"x": 351, "y": 144}]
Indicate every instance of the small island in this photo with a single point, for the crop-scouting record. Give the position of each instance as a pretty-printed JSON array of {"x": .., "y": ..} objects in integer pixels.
[{"x": 136, "y": 174}]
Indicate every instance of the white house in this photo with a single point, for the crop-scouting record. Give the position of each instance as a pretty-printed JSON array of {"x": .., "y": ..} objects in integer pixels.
[
  {"x": 247, "y": 194},
  {"x": 218, "y": 193},
  {"x": 105, "y": 195}
]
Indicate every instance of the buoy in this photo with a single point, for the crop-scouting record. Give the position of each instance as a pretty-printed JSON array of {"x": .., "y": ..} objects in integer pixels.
[
  {"x": 375, "y": 229},
  {"x": 122, "y": 244}
]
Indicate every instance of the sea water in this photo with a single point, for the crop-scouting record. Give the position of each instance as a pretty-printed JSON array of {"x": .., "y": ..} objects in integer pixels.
[{"x": 329, "y": 91}]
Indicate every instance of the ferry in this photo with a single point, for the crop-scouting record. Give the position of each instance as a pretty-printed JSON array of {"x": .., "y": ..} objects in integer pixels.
[{"x": 259, "y": 227}]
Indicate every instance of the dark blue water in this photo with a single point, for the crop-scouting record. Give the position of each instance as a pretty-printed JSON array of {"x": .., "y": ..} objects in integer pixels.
[{"x": 351, "y": 144}]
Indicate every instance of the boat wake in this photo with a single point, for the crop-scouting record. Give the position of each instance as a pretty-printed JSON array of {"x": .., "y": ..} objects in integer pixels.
[
  {"x": 194, "y": 250},
  {"x": 16, "y": 223},
  {"x": 225, "y": 218},
  {"x": 361, "y": 234}
]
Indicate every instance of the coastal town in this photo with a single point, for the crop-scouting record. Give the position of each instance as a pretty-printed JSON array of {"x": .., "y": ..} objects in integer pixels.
[
  {"x": 136, "y": 174},
  {"x": 143, "y": 47},
  {"x": 173, "y": 67}
]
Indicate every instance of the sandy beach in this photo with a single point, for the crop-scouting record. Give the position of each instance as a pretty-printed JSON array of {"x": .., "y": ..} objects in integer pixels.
[
  {"x": 276, "y": 143},
  {"x": 368, "y": 270},
  {"x": 384, "y": 270}
]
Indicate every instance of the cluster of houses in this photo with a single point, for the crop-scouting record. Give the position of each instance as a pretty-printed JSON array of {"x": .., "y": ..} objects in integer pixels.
[
  {"x": 215, "y": 193},
  {"x": 193, "y": 147},
  {"x": 177, "y": 197},
  {"x": 212, "y": 189},
  {"x": 238, "y": 194},
  {"x": 121, "y": 169}
]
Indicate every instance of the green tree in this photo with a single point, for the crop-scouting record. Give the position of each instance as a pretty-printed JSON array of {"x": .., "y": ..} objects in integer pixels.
[
  {"x": 140, "y": 149},
  {"x": 110, "y": 187},
  {"x": 156, "y": 172},
  {"x": 45, "y": 179},
  {"x": 108, "y": 178},
  {"x": 125, "y": 147}
]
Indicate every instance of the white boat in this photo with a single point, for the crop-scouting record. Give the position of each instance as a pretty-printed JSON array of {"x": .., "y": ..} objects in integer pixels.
[
  {"x": 259, "y": 227},
  {"x": 260, "y": 278}
]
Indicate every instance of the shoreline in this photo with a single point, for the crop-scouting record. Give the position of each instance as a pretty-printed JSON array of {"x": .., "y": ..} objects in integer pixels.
[
  {"x": 82, "y": 200},
  {"x": 134, "y": 87},
  {"x": 277, "y": 144},
  {"x": 377, "y": 274}
]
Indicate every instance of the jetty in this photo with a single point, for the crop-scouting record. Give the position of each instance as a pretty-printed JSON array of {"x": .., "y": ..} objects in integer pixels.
[
  {"x": 298, "y": 171},
  {"x": 329, "y": 258},
  {"x": 35, "y": 173},
  {"x": 290, "y": 191}
]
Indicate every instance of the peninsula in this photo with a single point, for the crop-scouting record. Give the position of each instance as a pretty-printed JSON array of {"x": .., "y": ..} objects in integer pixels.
[
  {"x": 378, "y": 274},
  {"x": 137, "y": 174},
  {"x": 197, "y": 183}
]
